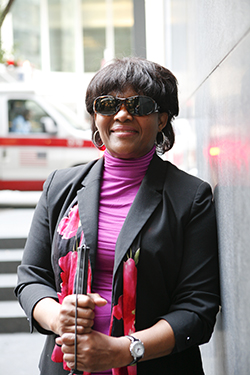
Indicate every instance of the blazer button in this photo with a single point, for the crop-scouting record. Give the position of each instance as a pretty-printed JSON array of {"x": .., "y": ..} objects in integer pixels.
[{"x": 188, "y": 340}]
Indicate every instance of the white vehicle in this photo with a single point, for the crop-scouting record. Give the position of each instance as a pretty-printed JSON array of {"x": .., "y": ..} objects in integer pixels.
[{"x": 37, "y": 137}]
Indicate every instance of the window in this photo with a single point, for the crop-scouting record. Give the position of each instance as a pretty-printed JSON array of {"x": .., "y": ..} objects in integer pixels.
[
  {"x": 26, "y": 31},
  {"x": 62, "y": 35},
  {"x": 26, "y": 116},
  {"x": 66, "y": 36},
  {"x": 107, "y": 31}
]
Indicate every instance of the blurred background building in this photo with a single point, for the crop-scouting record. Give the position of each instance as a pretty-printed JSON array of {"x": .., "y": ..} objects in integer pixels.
[{"x": 58, "y": 45}]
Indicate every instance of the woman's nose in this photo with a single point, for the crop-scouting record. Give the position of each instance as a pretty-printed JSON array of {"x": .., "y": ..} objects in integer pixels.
[{"x": 123, "y": 114}]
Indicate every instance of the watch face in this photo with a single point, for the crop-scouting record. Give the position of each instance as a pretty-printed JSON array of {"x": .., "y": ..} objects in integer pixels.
[{"x": 138, "y": 349}]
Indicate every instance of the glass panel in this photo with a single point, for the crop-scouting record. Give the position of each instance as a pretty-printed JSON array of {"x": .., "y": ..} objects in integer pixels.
[
  {"x": 94, "y": 46},
  {"x": 26, "y": 116},
  {"x": 123, "y": 23},
  {"x": 123, "y": 38},
  {"x": 62, "y": 36},
  {"x": 26, "y": 31},
  {"x": 103, "y": 20},
  {"x": 94, "y": 33}
]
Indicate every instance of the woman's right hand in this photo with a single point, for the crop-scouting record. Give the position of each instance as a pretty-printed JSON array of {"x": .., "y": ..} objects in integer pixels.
[
  {"x": 85, "y": 313},
  {"x": 61, "y": 318}
]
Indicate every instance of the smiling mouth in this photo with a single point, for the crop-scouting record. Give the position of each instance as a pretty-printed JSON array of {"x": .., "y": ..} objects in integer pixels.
[
  {"x": 123, "y": 130},
  {"x": 124, "y": 134}
]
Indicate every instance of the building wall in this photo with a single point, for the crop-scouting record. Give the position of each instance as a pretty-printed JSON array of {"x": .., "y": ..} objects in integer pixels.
[{"x": 210, "y": 55}]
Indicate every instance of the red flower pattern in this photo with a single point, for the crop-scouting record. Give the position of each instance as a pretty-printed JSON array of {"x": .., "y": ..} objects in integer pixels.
[
  {"x": 125, "y": 309},
  {"x": 69, "y": 224},
  {"x": 67, "y": 228},
  {"x": 68, "y": 264}
]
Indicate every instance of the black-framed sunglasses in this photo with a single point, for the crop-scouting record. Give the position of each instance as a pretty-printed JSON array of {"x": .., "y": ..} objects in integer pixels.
[{"x": 138, "y": 105}]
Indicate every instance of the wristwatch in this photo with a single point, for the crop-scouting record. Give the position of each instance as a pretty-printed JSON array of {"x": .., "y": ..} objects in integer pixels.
[{"x": 136, "y": 349}]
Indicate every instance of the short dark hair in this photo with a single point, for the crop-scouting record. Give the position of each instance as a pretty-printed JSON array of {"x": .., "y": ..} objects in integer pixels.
[{"x": 146, "y": 78}]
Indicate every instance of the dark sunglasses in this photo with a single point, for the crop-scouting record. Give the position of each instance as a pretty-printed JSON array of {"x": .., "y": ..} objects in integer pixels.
[{"x": 137, "y": 105}]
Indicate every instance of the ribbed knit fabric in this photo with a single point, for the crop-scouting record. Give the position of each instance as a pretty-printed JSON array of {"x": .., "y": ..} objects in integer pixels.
[{"x": 120, "y": 183}]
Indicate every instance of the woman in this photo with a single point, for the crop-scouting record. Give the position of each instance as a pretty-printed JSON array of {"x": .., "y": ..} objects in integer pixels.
[{"x": 153, "y": 286}]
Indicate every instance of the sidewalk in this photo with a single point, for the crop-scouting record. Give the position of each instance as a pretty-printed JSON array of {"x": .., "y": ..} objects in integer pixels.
[{"x": 20, "y": 353}]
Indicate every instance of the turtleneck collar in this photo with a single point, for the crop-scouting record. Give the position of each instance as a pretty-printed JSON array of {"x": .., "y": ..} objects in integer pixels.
[{"x": 127, "y": 168}]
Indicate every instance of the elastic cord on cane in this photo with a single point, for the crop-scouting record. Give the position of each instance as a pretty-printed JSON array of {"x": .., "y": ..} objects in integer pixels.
[
  {"x": 74, "y": 371},
  {"x": 81, "y": 287},
  {"x": 76, "y": 331}
]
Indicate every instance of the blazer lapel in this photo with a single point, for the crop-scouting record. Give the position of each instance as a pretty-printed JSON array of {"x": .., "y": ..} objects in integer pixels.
[
  {"x": 88, "y": 203},
  {"x": 146, "y": 201}
]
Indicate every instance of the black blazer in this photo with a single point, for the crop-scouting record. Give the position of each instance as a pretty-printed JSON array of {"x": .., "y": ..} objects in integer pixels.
[{"x": 172, "y": 220}]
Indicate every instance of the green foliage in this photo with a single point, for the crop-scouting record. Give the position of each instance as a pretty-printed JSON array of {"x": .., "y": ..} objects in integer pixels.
[
  {"x": 3, "y": 12},
  {"x": 2, "y": 54}
]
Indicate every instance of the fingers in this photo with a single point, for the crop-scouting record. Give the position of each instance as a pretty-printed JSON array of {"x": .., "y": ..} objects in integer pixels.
[
  {"x": 95, "y": 351},
  {"x": 85, "y": 313},
  {"x": 97, "y": 299},
  {"x": 67, "y": 342},
  {"x": 71, "y": 365},
  {"x": 84, "y": 301},
  {"x": 59, "y": 341},
  {"x": 68, "y": 325}
]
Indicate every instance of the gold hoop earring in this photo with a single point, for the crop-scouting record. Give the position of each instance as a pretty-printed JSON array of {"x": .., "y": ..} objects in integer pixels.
[{"x": 96, "y": 139}]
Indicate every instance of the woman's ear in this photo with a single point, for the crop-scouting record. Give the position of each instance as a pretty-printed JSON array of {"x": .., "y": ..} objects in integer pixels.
[{"x": 163, "y": 119}]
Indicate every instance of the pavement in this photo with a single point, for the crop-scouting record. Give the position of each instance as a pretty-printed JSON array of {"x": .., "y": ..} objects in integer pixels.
[{"x": 19, "y": 352}]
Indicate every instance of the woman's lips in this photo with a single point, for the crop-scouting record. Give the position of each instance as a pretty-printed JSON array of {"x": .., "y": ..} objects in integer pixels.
[{"x": 123, "y": 130}]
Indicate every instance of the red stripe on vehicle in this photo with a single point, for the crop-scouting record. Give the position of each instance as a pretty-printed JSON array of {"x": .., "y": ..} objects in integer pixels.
[
  {"x": 32, "y": 185},
  {"x": 48, "y": 142}
]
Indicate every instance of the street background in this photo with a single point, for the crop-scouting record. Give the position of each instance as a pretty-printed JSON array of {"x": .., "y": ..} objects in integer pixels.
[{"x": 57, "y": 46}]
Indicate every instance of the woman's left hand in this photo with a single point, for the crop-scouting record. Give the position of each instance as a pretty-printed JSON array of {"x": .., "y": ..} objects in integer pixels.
[
  {"x": 95, "y": 351},
  {"x": 99, "y": 352}
]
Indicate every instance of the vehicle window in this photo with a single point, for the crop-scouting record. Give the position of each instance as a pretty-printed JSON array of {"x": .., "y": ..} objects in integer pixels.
[{"x": 26, "y": 116}]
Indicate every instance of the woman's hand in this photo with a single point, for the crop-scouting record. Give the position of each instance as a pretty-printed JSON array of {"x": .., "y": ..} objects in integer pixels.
[
  {"x": 98, "y": 352},
  {"x": 60, "y": 319},
  {"x": 85, "y": 313},
  {"x": 95, "y": 351}
]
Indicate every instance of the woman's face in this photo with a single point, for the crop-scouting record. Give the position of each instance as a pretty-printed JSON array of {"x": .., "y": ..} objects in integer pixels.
[{"x": 126, "y": 136}]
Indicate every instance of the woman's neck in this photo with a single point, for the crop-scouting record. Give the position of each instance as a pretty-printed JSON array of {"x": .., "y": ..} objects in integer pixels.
[{"x": 127, "y": 168}]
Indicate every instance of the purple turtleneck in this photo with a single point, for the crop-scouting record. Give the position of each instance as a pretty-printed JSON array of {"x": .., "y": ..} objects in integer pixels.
[{"x": 120, "y": 183}]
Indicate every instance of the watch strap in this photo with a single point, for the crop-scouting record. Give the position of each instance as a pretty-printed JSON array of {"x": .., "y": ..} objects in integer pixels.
[{"x": 136, "y": 359}]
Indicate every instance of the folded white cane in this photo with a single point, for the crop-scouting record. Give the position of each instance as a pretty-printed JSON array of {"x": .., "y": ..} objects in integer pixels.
[{"x": 81, "y": 288}]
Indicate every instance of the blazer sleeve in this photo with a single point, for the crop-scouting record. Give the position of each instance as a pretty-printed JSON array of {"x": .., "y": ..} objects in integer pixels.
[
  {"x": 35, "y": 274},
  {"x": 195, "y": 300}
]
